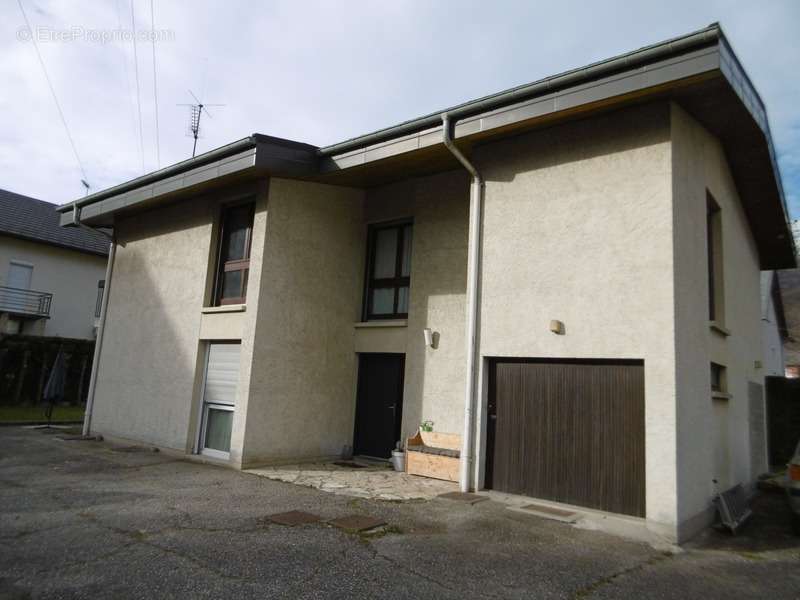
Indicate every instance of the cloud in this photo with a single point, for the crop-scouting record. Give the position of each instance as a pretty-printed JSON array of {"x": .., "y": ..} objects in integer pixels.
[{"x": 324, "y": 71}]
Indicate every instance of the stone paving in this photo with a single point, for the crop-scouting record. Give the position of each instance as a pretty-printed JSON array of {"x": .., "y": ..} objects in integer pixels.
[{"x": 376, "y": 481}]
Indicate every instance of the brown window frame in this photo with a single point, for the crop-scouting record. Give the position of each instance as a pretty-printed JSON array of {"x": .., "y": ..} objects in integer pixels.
[
  {"x": 398, "y": 281},
  {"x": 240, "y": 264}
]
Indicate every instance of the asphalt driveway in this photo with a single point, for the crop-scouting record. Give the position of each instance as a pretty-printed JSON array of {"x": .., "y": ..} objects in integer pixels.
[{"x": 90, "y": 520}]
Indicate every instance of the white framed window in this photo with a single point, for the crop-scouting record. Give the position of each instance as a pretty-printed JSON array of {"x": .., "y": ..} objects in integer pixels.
[
  {"x": 220, "y": 387},
  {"x": 20, "y": 275}
]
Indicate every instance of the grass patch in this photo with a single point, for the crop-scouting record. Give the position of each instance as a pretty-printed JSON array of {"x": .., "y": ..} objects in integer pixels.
[{"x": 12, "y": 414}]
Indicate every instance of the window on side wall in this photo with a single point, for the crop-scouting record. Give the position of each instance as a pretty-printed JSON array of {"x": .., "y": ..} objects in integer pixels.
[
  {"x": 233, "y": 262},
  {"x": 388, "y": 271},
  {"x": 718, "y": 379},
  {"x": 98, "y": 305},
  {"x": 716, "y": 295}
]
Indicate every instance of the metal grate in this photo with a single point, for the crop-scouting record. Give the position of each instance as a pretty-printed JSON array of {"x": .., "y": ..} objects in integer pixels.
[{"x": 733, "y": 507}]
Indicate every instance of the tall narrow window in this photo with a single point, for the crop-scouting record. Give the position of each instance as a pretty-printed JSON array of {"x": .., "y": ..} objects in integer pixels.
[
  {"x": 234, "y": 254},
  {"x": 98, "y": 305},
  {"x": 388, "y": 271},
  {"x": 716, "y": 297}
]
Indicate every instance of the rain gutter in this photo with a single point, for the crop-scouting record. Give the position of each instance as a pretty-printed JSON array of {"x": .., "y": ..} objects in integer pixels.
[{"x": 473, "y": 285}]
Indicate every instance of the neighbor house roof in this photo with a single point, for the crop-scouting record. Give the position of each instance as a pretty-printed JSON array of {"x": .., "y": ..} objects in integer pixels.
[
  {"x": 38, "y": 221},
  {"x": 698, "y": 70}
]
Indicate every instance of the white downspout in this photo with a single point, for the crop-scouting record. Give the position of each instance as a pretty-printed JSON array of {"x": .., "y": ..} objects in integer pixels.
[
  {"x": 98, "y": 344},
  {"x": 473, "y": 276}
]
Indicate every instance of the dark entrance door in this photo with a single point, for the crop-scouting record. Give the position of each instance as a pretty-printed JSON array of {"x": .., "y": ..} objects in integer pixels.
[
  {"x": 570, "y": 431},
  {"x": 379, "y": 404}
]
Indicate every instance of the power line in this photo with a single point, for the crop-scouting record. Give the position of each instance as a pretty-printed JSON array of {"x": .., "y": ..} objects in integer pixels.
[
  {"x": 124, "y": 56},
  {"x": 52, "y": 90},
  {"x": 138, "y": 95},
  {"x": 155, "y": 86}
]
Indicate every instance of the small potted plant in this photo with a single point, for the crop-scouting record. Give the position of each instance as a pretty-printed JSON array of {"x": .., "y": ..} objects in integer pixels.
[{"x": 398, "y": 458}]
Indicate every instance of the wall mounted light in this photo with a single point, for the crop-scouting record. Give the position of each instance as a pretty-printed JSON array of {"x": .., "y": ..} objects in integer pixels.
[
  {"x": 557, "y": 327},
  {"x": 431, "y": 338}
]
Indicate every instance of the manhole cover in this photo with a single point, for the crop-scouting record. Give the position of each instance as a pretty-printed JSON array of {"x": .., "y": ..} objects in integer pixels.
[
  {"x": 463, "y": 497},
  {"x": 293, "y": 517},
  {"x": 357, "y": 523}
]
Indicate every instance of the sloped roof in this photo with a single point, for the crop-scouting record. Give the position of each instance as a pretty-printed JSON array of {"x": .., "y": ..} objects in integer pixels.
[
  {"x": 698, "y": 71},
  {"x": 37, "y": 221}
]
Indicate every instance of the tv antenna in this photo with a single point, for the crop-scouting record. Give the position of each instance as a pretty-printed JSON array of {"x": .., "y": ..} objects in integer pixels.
[{"x": 196, "y": 111}]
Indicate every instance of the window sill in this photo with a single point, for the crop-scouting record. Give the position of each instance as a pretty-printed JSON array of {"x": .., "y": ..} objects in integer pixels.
[
  {"x": 721, "y": 395},
  {"x": 387, "y": 323},
  {"x": 225, "y": 308},
  {"x": 719, "y": 328}
]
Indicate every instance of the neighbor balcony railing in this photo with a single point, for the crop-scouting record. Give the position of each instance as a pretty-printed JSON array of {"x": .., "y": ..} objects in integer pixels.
[{"x": 28, "y": 303}]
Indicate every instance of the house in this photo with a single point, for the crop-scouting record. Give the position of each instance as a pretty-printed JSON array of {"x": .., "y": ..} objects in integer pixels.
[
  {"x": 566, "y": 275},
  {"x": 50, "y": 276},
  {"x": 774, "y": 324}
]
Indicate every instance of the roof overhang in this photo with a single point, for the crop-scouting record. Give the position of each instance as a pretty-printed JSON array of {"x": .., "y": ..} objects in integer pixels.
[{"x": 698, "y": 70}]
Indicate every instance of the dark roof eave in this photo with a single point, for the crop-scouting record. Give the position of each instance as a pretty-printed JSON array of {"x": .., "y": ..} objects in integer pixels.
[{"x": 177, "y": 168}]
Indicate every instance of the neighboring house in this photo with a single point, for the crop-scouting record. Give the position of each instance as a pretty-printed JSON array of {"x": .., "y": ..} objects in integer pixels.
[
  {"x": 50, "y": 276},
  {"x": 592, "y": 301},
  {"x": 790, "y": 292},
  {"x": 773, "y": 323}
]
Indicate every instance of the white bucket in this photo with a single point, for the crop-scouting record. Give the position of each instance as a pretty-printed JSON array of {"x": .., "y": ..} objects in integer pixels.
[{"x": 399, "y": 460}]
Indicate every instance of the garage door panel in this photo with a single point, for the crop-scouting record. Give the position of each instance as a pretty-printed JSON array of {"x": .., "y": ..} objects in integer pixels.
[{"x": 570, "y": 432}]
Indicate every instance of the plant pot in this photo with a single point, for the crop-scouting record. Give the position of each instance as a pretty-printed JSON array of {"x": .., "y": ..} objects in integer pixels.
[{"x": 399, "y": 460}]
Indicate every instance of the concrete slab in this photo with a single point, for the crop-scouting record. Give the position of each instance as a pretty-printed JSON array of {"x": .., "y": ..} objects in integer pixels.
[{"x": 546, "y": 512}]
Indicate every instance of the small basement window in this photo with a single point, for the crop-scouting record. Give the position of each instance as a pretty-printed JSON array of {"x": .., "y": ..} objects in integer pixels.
[
  {"x": 233, "y": 262},
  {"x": 388, "y": 271},
  {"x": 718, "y": 379}
]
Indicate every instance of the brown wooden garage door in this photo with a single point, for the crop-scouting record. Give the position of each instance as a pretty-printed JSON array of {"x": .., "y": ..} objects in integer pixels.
[{"x": 568, "y": 431}]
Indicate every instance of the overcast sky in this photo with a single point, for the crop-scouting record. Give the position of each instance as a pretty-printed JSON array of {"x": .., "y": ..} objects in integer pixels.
[{"x": 321, "y": 72}]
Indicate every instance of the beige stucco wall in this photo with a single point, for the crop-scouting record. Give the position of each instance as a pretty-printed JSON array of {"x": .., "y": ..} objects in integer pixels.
[
  {"x": 578, "y": 228},
  {"x": 69, "y": 275},
  {"x": 302, "y": 387},
  {"x": 699, "y": 164},
  {"x": 153, "y": 350},
  {"x": 434, "y": 377}
]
